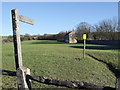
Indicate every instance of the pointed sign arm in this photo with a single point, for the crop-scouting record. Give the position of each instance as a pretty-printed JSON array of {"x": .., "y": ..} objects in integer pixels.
[{"x": 26, "y": 19}]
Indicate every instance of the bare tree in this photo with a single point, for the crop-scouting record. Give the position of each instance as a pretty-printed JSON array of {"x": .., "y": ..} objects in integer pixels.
[
  {"x": 107, "y": 29},
  {"x": 82, "y": 28}
]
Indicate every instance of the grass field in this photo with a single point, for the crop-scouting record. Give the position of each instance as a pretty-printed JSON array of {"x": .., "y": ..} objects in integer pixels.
[{"x": 62, "y": 61}]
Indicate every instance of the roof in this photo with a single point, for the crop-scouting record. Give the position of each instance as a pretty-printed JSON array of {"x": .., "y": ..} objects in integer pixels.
[{"x": 68, "y": 33}]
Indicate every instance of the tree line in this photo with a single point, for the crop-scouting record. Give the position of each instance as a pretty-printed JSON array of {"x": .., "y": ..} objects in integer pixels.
[
  {"x": 104, "y": 30},
  {"x": 7, "y": 39}
]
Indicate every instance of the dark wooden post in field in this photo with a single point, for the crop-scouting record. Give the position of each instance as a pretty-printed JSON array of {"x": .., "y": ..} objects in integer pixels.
[{"x": 21, "y": 70}]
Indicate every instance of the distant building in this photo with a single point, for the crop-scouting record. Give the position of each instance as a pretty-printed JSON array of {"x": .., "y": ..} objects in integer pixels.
[
  {"x": 70, "y": 37},
  {"x": 35, "y": 38}
]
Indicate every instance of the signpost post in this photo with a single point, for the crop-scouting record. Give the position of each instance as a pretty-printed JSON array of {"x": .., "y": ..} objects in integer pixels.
[
  {"x": 84, "y": 37},
  {"x": 21, "y": 71}
]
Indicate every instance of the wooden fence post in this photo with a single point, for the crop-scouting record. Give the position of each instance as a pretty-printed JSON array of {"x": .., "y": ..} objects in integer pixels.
[{"x": 23, "y": 82}]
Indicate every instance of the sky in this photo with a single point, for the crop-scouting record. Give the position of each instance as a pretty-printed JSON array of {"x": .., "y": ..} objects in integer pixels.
[{"x": 54, "y": 17}]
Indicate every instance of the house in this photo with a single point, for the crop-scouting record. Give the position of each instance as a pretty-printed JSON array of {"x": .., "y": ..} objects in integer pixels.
[
  {"x": 70, "y": 37},
  {"x": 35, "y": 38}
]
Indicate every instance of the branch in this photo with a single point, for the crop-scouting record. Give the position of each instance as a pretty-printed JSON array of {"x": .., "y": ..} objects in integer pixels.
[
  {"x": 7, "y": 72},
  {"x": 69, "y": 84}
]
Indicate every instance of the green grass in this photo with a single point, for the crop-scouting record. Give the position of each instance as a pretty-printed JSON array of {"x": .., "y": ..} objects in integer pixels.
[{"x": 62, "y": 61}]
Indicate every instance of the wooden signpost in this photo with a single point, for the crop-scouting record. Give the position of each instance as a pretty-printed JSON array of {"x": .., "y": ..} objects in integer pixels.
[
  {"x": 21, "y": 70},
  {"x": 84, "y": 37}
]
